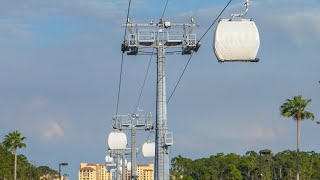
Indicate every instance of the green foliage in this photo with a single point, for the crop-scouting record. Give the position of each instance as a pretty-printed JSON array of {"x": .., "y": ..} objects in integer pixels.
[
  {"x": 295, "y": 108},
  {"x": 6, "y": 163},
  {"x": 231, "y": 172},
  {"x": 26, "y": 170},
  {"x": 45, "y": 170},
  {"x": 14, "y": 140},
  {"x": 247, "y": 167},
  {"x": 248, "y": 164}
]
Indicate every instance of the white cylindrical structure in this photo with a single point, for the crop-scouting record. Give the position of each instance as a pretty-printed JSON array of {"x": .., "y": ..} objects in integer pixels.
[
  {"x": 236, "y": 40},
  {"x": 109, "y": 159},
  {"x": 111, "y": 165},
  {"x": 117, "y": 140},
  {"x": 148, "y": 149},
  {"x": 129, "y": 166},
  {"x": 126, "y": 162}
]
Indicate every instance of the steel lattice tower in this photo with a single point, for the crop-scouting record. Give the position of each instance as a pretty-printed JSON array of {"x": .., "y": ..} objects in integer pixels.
[
  {"x": 133, "y": 122},
  {"x": 161, "y": 36}
]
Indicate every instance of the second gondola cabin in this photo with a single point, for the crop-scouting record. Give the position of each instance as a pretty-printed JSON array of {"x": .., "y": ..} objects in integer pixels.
[{"x": 237, "y": 39}]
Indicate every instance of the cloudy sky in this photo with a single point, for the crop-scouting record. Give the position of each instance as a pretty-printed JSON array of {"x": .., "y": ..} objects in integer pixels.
[{"x": 60, "y": 64}]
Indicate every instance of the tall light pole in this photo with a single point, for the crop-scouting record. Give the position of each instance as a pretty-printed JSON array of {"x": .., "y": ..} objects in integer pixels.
[
  {"x": 161, "y": 36},
  {"x": 61, "y": 164}
]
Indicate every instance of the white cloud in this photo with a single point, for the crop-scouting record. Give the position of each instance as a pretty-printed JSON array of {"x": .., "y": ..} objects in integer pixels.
[
  {"x": 37, "y": 103},
  {"x": 296, "y": 20},
  {"x": 41, "y": 122},
  {"x": 194, "y": 142},
  {"x": 38, "y": 8},
  {"x": 52, "y": 131},
  {"x": 302, "y": 26},
  {"x": 256, "y": 133},
  {"x": 14, "y": 30},
  {"x": 18, "y": 16},
  {"x": 245, "y": 136}
]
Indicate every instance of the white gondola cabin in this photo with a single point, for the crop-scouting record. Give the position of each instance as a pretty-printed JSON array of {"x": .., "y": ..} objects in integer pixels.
[
  {"x": 237, "y": 39},
  {"x": 117, "y": 140},
  {"x": 148, "y": 149}
]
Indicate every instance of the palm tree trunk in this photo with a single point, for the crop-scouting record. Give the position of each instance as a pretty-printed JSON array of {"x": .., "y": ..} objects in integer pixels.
[
  {"x": 15, "y": 163},
  {"x": 298, "y": 147}
]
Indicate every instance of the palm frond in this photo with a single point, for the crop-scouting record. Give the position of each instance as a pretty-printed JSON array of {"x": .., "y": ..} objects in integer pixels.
[
  {"x": 14, "y": 140},
  {"x": 295, "y": 108},
  {"x": 308, "y": 115}
]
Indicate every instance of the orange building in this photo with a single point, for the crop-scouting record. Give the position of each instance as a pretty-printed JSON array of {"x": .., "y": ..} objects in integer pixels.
[{"x": 89, "y": 171}]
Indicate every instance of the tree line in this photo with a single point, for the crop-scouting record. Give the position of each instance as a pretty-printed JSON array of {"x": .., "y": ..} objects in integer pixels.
[
  {"x": 13, "y": 166},
  {"x": 265, "y": 165},
  {"x": 252, "y": 166}
]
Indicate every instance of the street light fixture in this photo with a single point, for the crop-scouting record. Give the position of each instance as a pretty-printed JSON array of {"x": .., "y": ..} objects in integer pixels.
[{"x": 61, "y": 164}]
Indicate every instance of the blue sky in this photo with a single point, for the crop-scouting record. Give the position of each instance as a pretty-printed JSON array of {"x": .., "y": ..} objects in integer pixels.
[{"x": 60, "y": 63}]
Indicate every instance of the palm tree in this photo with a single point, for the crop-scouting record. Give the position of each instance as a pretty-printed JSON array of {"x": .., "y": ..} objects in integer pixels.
[
  {"x": 13, "y": 141},
  {"x": 295, "y": 108}
]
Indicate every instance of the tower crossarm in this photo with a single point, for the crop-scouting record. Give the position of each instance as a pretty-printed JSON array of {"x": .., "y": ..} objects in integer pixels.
[
  {"x": 164, "y": 33},
  {"x": 127, "y": 122}
]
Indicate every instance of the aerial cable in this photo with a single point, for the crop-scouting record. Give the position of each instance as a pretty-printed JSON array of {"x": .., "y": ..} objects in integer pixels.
[
  {"x": 195, "y": 12},
  {"x": 122, "y": 57},
  {"x": 144, "y": 81},
  {"x": 215, "y": 20},
  {"x": 139, "y": 98},
  {"x": 164, "y": 10},
  {"x": 127, "y": 20},
  {"x": 175, "y": 87},
  {"x": 145, "y": 78},
  {"x": 186, "y": 66}
]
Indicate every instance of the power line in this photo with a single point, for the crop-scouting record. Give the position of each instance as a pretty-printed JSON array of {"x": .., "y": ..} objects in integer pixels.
[
  {"x": 122, "y": 58},
  {"x": 165, "y": 8},
  {"x": 175, "y": 87}
]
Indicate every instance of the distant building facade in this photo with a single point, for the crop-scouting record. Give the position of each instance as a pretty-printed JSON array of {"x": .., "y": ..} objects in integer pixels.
[
  {"x": 145, "y": 172},
  {"x": 53, "y": 177},
  {"x": 89, "y": 171},
  {"x": 49, "y": 176}
]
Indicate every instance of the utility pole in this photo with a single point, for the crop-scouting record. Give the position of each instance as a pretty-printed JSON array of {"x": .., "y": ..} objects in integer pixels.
[
  {"x": 161, "y": 36},
  {"x": 133, "y": 122}
]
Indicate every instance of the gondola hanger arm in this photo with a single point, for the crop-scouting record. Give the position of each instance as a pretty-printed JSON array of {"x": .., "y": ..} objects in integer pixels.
[{"x": 246, "y": 5}]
